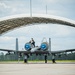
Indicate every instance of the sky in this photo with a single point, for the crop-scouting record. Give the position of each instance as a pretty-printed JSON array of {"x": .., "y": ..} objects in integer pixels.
[{"x": 62, "y": 37}]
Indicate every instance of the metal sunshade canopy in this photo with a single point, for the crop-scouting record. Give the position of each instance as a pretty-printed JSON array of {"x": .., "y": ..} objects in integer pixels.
[{"x": 14, "y": 21}]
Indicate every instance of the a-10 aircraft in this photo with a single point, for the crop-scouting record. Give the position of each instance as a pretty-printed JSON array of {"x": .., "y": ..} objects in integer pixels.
[{"x": 44, "y": 48}]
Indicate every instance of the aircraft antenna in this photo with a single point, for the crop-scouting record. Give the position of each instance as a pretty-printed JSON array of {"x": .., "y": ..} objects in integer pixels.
[
  {"x": 30, "y": 8},
  {"x": 46, "y": 9}
]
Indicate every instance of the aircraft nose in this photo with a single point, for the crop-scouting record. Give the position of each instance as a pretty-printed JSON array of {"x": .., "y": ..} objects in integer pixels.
[{"x": 33, "y": 50}]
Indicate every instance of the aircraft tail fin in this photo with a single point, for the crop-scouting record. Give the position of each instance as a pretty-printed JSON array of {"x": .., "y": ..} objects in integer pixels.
[
  {"x": 16, "y": 44},
  {"x": 49, "y": 49}
]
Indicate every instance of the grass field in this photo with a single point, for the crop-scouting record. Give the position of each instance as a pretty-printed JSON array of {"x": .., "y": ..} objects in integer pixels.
[{"x": 38, "y": 61}]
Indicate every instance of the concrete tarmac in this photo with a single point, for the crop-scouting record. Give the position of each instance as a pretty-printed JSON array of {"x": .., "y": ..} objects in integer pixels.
[{"x": 37, "y": 69}]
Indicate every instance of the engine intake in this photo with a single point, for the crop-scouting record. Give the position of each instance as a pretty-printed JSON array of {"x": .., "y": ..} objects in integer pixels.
[
  {"x": 27, "y": 46},
  {"x": 44, "y": 46}
]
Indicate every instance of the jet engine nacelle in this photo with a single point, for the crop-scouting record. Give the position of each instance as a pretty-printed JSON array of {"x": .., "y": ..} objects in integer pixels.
[
  {"x": 27, "y": 46},
  {"x": 44, "y": 46}
]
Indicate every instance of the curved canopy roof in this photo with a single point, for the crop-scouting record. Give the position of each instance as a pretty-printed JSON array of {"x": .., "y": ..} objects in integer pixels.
[{"x": 14, "y": 21}]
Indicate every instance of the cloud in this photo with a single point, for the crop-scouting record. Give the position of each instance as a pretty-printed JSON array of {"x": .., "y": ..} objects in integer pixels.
[
  {"x": 13, "y": 7},
  {"x": 14, "y": 10},
  {"x": 58, "y": 1},
  {"x": 61, "y": 31},
  {"x": 7, "y": 42},
  {"x": 19, "y": 7},
  {"x": 3, "y": 5},
  {"x": 6, "y": 39},
  {"x": 54, "y": 30}
]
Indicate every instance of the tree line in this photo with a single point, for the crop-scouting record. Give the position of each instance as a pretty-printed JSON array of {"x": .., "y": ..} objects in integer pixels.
[{"x": 13, "y": 57}]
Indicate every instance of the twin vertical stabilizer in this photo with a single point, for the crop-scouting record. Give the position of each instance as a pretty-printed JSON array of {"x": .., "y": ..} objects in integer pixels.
[{"x": 16, "y": 44}]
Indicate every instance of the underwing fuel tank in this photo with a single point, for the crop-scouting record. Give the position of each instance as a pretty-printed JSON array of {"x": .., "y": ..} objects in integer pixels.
[
  {"x": 27, "y": 46},
  {"x": 44, "y": 46}
]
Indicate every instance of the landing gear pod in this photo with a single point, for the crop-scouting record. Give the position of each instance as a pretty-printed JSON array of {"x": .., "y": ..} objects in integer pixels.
[
  {"x": 44, "y": 46},
  {"x": 27, "y": 46}
]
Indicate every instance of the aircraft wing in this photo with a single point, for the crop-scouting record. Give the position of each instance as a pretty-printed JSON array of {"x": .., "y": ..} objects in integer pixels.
[
  {"x": 62, "y": 51},
  {"x": 39, "y": 51},
  {"x": 46, "y": 52},
  {"x": 7, "y": 50}
]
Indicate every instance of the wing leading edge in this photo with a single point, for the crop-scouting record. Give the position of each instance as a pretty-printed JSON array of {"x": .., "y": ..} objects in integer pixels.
[{"x": 39, "y": 51}]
